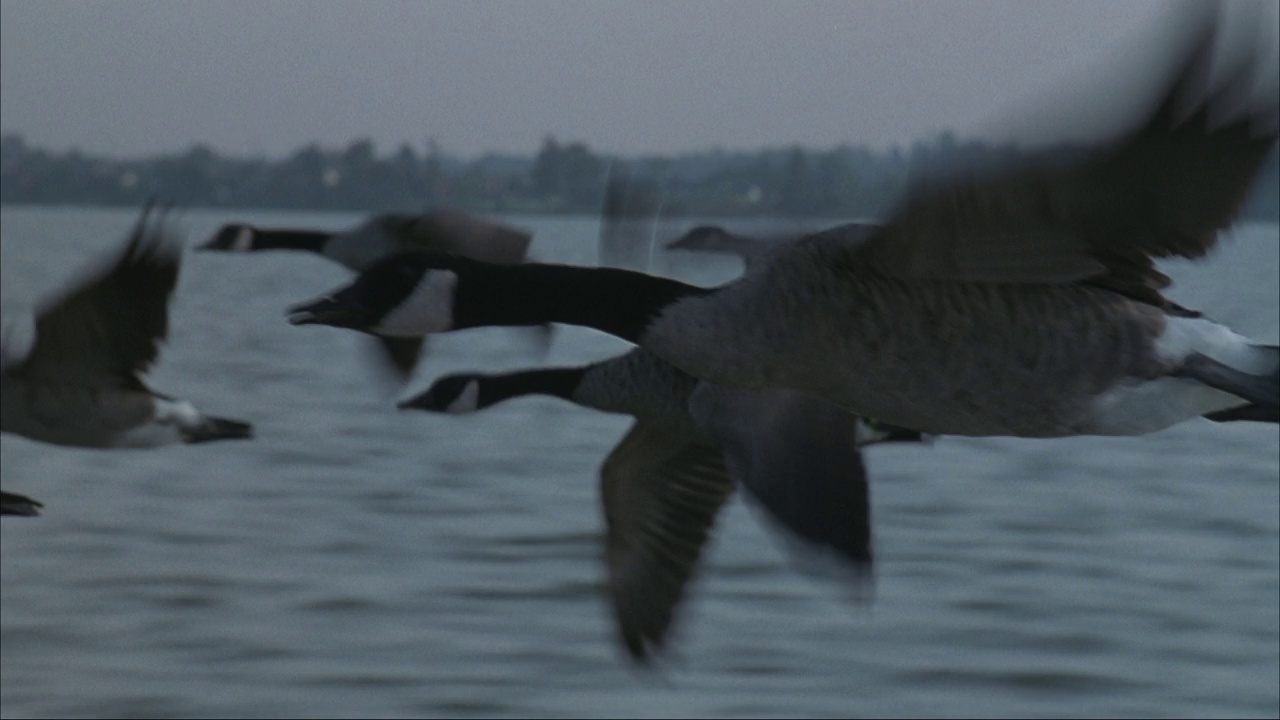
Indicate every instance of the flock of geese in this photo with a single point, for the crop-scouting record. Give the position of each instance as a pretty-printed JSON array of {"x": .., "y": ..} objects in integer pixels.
[{"x": 1022, "y": 303}]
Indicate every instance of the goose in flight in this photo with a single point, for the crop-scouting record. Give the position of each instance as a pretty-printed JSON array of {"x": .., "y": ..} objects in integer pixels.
[
  {"x": 384, "y": 235},
  {"x": 79, "y": 382},
  {"x": 1023, "y": 303},
  {"x": 691, "y": 444}
]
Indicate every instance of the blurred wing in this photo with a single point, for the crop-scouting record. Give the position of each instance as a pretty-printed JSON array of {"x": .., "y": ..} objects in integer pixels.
[
  {"x": 398, "y": 356},
  {"x": 110, "y": 326},
  {"x": 661, "y": 494},
  {"x": 628, "y": 220},
  {"x": 798, "y": 457},
  {"x": 467, "y": 235},
  {"x": 1162, "y": 190}
]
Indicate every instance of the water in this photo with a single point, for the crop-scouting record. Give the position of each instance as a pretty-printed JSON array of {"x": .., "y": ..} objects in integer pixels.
[{"x": 357, "y": 561}]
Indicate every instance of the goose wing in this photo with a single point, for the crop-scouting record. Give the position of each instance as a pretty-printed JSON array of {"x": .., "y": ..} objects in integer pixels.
[
  {"x": 798, "y": 458},
  {"x": 109, "y": 327},
  {"x": 661, "y": 494},
  {"x": 1163, "y": 189},
  {"x": 461, "y": 233}
]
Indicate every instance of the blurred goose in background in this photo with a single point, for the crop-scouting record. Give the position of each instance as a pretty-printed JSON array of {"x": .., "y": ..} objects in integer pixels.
[
  {"x": 752, "y": 250},
  {"x": 383, "y": 235},
  {"x": 692, "y": 442},
  {"x": 14, "y": 504},
  {"x": 1023, "y": 303},
  {"x": 78, "y": 382}
]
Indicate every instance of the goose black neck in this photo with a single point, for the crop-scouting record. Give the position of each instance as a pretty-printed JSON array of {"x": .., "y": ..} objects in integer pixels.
[
  {"x": 619, "y": 302},
  {"x": 556, "y": 382},
  {"x": 310, "y": 240}
]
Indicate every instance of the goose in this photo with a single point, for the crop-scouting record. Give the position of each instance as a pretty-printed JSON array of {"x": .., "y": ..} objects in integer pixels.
[
  {"x": 691, "y": 443},
  {"x": 382, "y": 235},
  {"x": 716, "y": 239},
  {"x": 1024, "y": 303},
  {"x": 78, "y": 382},
  {"x": 15, "y": 504},
  {"x": 751, "y": 250}
]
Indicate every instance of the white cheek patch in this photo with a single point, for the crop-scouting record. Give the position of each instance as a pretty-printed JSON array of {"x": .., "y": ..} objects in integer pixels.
[
  {"x": 468, "y": 401},
  {"x": 428, "y": 309},
  {"x": 243, "y": 241}
]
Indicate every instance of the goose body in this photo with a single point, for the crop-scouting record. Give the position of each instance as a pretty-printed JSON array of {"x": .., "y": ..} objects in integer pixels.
[
  {"x": 79, "y": 382},
  {"x": 750, "y": 249},
  {"x": 1023, "y": 304},
  {"x": 691, "y": 444},
  {"x": 384, "y": 235}
]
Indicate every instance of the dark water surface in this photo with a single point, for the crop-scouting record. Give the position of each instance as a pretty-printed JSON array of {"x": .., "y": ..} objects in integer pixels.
[{"x": 356, "y": 561}]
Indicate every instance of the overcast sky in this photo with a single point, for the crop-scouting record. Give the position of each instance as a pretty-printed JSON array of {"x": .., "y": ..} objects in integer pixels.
[{"x": 131, "y": 77}]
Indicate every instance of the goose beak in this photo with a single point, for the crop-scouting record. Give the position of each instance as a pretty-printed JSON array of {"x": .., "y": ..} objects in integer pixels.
[{"x": 328, "y": 310}]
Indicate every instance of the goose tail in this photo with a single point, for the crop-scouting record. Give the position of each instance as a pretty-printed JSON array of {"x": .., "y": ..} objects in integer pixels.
[
  {"x": 1262, "y": 391},
  {"x": 1258, "y": 381},
  {"x": 1252, "y": 412},
  {"x": 1213, "y": 355}
]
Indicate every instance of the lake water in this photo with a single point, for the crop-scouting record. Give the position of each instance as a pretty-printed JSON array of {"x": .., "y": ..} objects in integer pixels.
[{"x": 354, "y": 561}]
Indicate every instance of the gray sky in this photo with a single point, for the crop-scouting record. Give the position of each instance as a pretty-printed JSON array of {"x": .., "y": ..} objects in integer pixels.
[{"x": 136, "y": 77}]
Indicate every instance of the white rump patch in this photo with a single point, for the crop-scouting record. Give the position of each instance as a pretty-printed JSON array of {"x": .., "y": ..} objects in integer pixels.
[
  {"x": 1184, "y": 336},
  {"x": 176, "y": 412},
  {"x": 468, "y": 401},
  {"x": 166, "y": 426},
  {"x": 1138, "y": 407},
  {"x": 427, "y": 310}
]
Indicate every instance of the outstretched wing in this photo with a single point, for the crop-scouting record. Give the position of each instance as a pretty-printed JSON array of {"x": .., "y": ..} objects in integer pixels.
[
  {"x": 798, "y": 457},
  {"x": 108, "y": 327},
  {"x": 467, "y": 235},
  {"x": 661, "y": 494},
  {"x": 1164, "y": 189}
]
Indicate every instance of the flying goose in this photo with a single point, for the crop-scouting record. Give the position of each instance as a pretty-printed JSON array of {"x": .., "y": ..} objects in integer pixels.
[
  {"x": 1025, "y": 303},
  {"x": 663, "y": 484},
  {"x": 79, "y": 381},
  {"x": 14, "y": 504},
  {"x": 715, "y": 239},
  {"x": 383, "y": 235}
]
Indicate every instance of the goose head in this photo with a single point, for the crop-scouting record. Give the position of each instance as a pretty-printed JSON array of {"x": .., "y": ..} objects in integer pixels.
[{"x": 405, "y": 295}]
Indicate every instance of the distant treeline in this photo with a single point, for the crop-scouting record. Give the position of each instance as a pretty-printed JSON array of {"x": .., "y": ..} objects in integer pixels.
[{"x": 847, "y": 181}]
